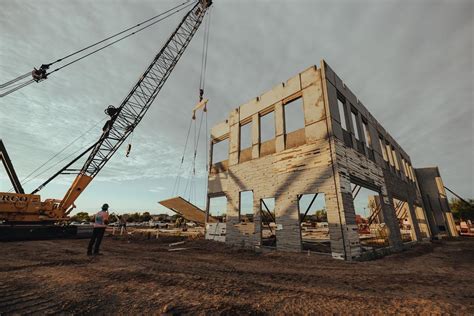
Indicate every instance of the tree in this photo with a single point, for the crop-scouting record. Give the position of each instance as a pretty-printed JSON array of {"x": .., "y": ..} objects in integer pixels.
[
  {"x": 462, "y": 210},
  {"x": 321, "y": 215},
  {"x": 134, "y": 217},
  {"x": 145, "y": 217},
  {"x": 81, "y": 217}
]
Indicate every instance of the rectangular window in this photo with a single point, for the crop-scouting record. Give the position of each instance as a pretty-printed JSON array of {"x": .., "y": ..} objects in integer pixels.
[
  {"x": 389, "y": 154},
  {"x": 366, "y": 132},
  {"x": 355, "y": 125},
  {"x": 267, "y": 127},
  {"x": 408, "y": 170},
  {"x": 220, "y": 151},
  {"x": 246, "y": 206},
  {"x": 294, "y": 115},
  {"x": 412, "y": 174},
  {"x": 384, "y": 150},
  {"x": 218, "y": 208},
  {"x": 395, "y": 159},
  {"x": 369, "y": 217},
  {"x": 404, "y": 167},
  {"x": 245, "y": 136},
  {"x": 342, "y": 113},
  {"x": 267, "y": 223},
  {"x": 314, "y": 223},
  {"x": 403, "y": 214}
]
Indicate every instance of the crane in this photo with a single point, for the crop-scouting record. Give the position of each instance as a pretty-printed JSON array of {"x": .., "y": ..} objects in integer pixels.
[{"x": 20, "y": 208}]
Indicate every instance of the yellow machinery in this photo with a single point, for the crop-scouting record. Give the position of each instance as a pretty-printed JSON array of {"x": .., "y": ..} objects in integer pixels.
[{"x": 20, "y": 208}]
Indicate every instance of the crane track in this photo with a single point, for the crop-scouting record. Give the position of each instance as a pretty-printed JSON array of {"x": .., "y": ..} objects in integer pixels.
[{"x": 29, "y": 302}]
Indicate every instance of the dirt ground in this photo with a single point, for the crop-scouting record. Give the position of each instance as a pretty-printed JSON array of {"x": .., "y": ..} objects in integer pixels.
[{"x": 143, "y": 277}]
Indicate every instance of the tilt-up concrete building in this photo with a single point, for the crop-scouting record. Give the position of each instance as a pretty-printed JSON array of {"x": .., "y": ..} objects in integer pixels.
[{"x": 333, "y": 149}]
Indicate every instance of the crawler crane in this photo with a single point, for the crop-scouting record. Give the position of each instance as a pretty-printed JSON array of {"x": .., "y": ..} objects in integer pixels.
[{"x": 18, "y": 208}]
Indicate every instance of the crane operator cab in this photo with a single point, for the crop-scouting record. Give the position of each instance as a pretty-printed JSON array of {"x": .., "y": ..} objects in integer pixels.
[{"x": 40, "y": 74}]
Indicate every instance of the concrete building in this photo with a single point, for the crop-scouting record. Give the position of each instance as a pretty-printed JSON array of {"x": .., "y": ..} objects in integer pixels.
[
  {"x": 436, "y": 204},
  {"x": 331, "y": 149}
]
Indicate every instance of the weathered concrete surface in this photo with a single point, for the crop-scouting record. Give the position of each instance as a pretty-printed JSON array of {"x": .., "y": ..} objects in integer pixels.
[{"x": 321, "y": 157}]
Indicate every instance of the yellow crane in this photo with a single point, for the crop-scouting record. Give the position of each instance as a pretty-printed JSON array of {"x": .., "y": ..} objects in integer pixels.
[{"x": 20, "y": 208}]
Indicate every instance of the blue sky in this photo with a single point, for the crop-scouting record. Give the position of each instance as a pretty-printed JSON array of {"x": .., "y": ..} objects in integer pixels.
[{"x": 410, "y": 62}]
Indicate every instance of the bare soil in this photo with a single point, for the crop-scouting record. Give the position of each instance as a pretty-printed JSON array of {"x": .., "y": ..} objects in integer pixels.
[{"x": 143, "y": 277}]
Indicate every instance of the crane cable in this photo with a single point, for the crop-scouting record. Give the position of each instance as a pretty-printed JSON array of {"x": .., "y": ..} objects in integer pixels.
[
  {"x": 41, "y": 73},
  {"x": 178, "y": 175},
  {"x": 202, "y": 76},
  {"x": 32, "y": 174},
  {"x": 202, "y": 82},
  {"x": 197, "y": 134}
]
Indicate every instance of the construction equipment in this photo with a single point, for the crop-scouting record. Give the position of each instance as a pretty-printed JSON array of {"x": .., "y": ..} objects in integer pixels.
[
  {"x": 20, "y": 208},
  {"x": 7, "y": 163}
]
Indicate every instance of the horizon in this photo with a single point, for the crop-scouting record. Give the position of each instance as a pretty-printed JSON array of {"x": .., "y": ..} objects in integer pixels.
[{"x": 395, "y": 76}]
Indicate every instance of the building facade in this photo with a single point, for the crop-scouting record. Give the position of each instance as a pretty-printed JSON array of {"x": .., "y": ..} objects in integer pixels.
[{"x": 330, "y": 149}]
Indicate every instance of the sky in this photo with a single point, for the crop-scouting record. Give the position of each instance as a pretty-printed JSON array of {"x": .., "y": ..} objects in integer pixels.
[{"x": 410, "y": 62}]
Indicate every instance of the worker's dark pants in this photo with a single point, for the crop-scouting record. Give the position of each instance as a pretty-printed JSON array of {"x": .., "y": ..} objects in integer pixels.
[{"x": 96, "y": 239}]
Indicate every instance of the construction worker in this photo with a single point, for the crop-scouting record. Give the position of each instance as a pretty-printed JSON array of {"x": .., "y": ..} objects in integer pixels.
[
  {"x": 123, "y": 225},
  {"x": 101, "y": 220}
]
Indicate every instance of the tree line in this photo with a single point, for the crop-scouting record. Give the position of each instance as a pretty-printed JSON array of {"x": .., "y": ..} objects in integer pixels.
[
  {"x": 128, "y": 217},
  {"x": 462, "y": 210}
]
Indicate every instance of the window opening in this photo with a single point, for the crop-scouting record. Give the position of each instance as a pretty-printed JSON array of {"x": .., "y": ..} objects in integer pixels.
[
  {"x": 355, "y": 125},
  {"x": 245, "y": 136},
  {"x": 268, "y": 224},
  {"x": 384, "y": 150},
  {"x": 342, "y": 113},
  {"x": 220, "y": 151},
  {"x": 267, "y": 127},
  {"x": 314, "y": 223},
  {"x": 405, "y": 222},
  {"x": 370, "y": 222},
  {"x": 218, "y": 208},
  {"x": 368, "y": 140},
  {"x": 294, "y": 115},
  {"x": 246, "y": 206}
]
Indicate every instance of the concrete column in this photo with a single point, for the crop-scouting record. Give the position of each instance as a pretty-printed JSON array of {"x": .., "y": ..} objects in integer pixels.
[
  {"x": 279, "y": 127},
  {"x": 234, "y": 138},
  {"x": 287, "y": 218},
  {"x": 257, "y": 220},
  {"x": 232, "y": 217},
  {"x": 335, "y": 227},
  {"x": 255, "y": 136},
  {"x": 414, "y": 220},
  {"x": 341, "y": 219},
  {"x": 239, "y": 234},
  {"x": 391, "y": 221}
]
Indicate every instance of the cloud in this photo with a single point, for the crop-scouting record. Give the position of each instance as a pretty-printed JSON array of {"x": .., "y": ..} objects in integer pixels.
[
  {"x": 414, "y": 75},
  {"x": 157, "y": 189}
]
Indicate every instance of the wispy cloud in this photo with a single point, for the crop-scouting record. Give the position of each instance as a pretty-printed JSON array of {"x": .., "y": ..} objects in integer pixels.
[{"x": 414, "y": 74}]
